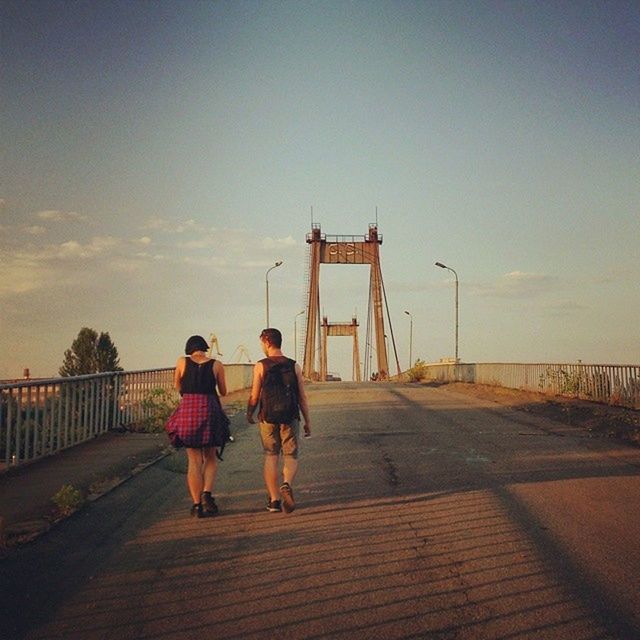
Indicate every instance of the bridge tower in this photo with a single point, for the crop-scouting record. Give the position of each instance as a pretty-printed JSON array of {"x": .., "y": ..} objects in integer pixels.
[
  {"x": 340, "y": 329},
  {"x": 343, "y": 250}
]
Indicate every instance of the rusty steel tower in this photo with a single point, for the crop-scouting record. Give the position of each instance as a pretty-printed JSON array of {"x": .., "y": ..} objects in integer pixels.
[
  {"x": 340, "y": 329},
  {"x": 343, "y": 250}
]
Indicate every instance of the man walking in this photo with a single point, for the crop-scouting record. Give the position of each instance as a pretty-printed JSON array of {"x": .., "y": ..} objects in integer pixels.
[{"x": 279, "y": 389}]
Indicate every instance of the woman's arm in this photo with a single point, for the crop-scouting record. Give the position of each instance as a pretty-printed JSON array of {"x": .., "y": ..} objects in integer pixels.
[
  {"x": 218, "y": 372},
  {"x": 178, "y": 373}
]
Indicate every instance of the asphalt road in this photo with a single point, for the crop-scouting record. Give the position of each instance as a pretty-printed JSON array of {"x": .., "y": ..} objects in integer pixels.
[{"x": 422, "y": 513}]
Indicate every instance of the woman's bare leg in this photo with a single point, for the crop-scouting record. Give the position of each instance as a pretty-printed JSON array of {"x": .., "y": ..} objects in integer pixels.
[
  {"x": 210, "y": 468},
  {"x": 194, "y": 474}
]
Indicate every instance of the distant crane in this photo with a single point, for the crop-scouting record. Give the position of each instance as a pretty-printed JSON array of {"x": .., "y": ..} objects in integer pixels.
[
  {"x": 243, "y": 351},
  {"x": 213, "y": 340}
]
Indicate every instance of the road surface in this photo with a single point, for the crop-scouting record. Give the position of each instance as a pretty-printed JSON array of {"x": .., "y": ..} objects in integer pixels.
[{"x": 422, "y": 513}]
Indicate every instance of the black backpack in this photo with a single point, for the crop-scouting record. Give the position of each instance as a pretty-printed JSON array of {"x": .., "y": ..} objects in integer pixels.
[{"x": 279, "y": 394}]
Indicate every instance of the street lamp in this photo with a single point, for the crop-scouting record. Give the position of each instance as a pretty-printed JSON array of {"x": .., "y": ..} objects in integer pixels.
[
  {"x": 410, "y": 340},
  {"x": 444, "y": 266},
  {"x": 266, "y": 281},
  {"x": 295, "y": 334}
]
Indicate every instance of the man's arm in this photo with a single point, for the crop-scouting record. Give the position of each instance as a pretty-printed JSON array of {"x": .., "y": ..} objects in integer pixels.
[
  {"x": 302, "y": 401},
  {"x": 256, "y": 387}
]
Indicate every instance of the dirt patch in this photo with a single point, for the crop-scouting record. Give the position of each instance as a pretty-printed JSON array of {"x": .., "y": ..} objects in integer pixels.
[{"x": 599, "y": 420}]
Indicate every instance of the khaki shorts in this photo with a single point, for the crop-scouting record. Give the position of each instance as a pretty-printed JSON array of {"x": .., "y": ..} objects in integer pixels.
[{"x": 280, "y": 438}]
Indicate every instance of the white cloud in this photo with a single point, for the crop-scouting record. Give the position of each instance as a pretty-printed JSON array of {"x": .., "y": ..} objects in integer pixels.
[
  {"x": 517, "y": 284},
  {"x": 35, "y": 230},
  {"x": 97, "y": 245},
  {"x": 32, "y": 267},
  {"x": 72, "y": 249},
  {"x": 564, "y": 307},
  {"x": 414, "y": 287},
  {"x": 173, "y": 226},
  {"x": 233, "y": 243},
  {"x": 31, "y": 262},
  {"x": 206, "y": 261},
  {"x": 201, "y": 243},
  {"x": 20, "y": 273},
  {"x": 54, "y": 215},
  {"x": 129, "y": 265},
  {"x": 255, "y": 264},
  {"x": 276, "y": 243}
]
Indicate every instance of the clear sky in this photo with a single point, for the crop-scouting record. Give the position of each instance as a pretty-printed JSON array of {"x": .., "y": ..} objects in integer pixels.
[{"x": 158, "y": 157}]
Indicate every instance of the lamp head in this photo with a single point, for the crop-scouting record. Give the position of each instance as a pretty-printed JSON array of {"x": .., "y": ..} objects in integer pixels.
[{"x": 442, "y": 266}]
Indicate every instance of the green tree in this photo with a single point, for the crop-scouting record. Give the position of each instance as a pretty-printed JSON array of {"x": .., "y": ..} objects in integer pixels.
[
  {"x": 107, "y": 358},
  {"x": 90, "y": 353}
]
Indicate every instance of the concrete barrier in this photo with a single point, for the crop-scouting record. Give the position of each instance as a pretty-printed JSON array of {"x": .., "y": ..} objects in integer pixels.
[{"x": 238, "y": 376}]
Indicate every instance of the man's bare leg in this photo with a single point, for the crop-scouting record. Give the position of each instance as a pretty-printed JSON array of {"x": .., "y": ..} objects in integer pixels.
[
  {"x": 271, "y": 476},
  {"x": 290, "y": 469}
]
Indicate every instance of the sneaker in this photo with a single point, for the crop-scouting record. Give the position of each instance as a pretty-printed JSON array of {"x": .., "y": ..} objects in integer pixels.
[
  {"x": 274, "y": 506},
  {"x": 288, "y": 503},
  {"x": 196, "y": 511},
  {"x": 209, "y": 506}
]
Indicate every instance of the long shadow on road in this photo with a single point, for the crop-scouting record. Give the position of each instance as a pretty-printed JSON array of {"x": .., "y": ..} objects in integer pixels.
[{"x": 410, "y": 525}]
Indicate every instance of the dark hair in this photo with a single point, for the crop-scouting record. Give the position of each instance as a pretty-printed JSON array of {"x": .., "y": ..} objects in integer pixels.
[
  {"x": 195, "y": 343},
  {"x": 273, "y": 337}
]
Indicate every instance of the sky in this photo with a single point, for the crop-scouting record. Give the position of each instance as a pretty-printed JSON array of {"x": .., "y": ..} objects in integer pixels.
[{"x": 158, "y": 157}]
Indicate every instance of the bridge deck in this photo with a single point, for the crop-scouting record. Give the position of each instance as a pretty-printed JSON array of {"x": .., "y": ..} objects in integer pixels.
[{"x": 422, "y": 513}]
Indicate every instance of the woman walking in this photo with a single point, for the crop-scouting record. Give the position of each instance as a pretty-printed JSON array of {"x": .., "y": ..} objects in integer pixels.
[{"x": 199, "y": 423}]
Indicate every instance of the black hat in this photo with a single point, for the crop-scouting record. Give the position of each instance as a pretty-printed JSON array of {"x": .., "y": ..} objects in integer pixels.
[{"x": 195, "y": 343}]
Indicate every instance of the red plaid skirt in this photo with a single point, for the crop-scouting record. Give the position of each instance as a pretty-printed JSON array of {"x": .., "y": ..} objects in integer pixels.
[{"x": 199, "y": 421}]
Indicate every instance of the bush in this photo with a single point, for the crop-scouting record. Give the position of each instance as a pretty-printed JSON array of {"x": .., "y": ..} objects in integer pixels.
[
  {"x": 418, "y": 371},
  {"x": 158, "y": 405},
  {"x": 67, "y": 499}
]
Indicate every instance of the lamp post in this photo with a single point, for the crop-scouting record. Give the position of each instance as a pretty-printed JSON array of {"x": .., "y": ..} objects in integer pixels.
[
  {"x": 444, "y": 266},
  {"x": 266, "y": 281},
  {"x": 295, "y": 334},
  {"x": 410, "y": 339}
]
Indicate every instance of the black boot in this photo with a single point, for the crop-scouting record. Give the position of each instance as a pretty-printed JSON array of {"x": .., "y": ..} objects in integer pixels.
[{"x": 209, "y": 506}]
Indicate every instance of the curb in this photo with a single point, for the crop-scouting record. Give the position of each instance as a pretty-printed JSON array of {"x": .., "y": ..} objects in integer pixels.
[{"x": 10, "y": 541}]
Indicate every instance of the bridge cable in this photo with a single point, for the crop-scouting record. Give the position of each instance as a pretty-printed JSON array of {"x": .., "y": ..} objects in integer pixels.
[
  {"x": 367, "y": 351},
  {"x": 393, "y": 339}
]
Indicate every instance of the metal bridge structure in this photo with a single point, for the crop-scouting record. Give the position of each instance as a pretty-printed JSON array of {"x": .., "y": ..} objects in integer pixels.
[
  {"x": 342, "y": 249},
  {"x": 340, "y": 329}
]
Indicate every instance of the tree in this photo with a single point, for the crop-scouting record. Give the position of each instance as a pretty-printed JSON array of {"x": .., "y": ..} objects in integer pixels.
[
  {"x": 90, "y": 353},
  {"x": 106, "y": 354}
]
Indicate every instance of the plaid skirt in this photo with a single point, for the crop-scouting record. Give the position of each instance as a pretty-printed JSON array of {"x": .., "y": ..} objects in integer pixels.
[{"x": 199, "y": 421}]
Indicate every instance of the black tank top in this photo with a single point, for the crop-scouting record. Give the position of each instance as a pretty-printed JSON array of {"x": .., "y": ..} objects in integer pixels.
[{"x": 198, "y": 378}]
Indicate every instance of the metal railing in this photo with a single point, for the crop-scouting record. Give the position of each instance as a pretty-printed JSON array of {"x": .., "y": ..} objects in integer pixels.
[
  {"x": 609, "y": 384},
  {"x": 42, "y": 417}
]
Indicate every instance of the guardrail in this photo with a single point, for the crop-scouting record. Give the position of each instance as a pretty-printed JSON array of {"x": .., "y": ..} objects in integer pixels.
[
  {"x": 41, "y": 417},
  {"x": 609, "y": 384}
]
